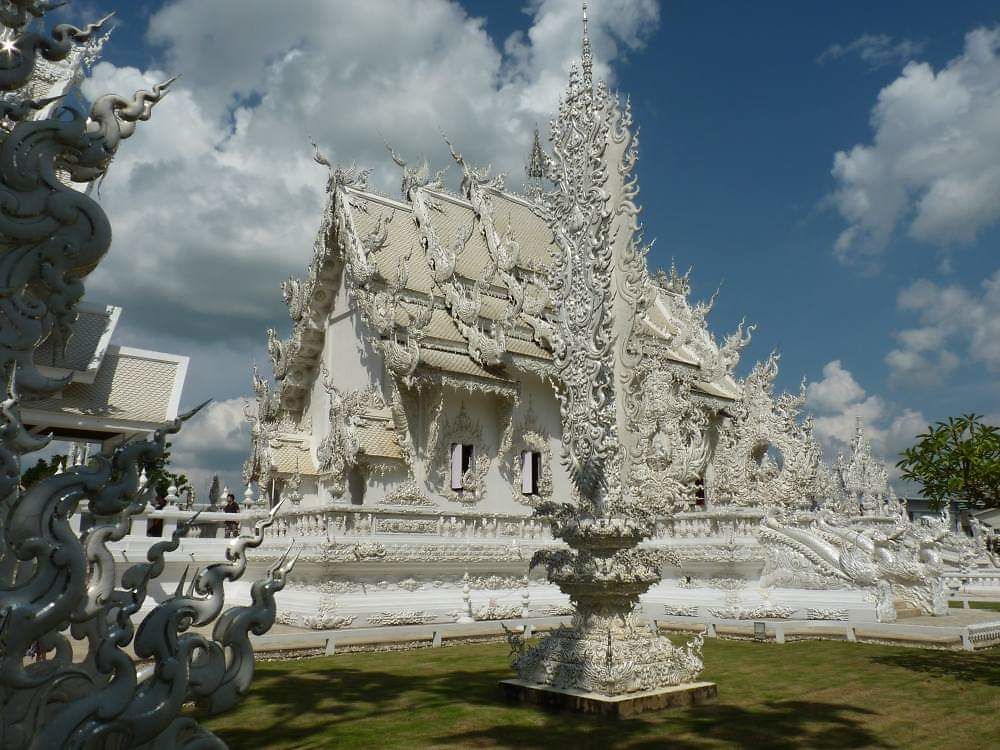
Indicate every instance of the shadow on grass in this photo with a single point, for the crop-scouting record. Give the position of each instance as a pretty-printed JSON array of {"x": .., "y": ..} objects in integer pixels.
[
  {"x": 467, "y": 709},
  {"x": 778, "y": 725},
  {"x": 983, "y": 667}
]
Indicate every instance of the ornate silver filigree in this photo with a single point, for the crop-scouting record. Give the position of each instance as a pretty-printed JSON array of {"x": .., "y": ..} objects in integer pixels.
[
  {"x": 601, "y": 290},
  {"x": 56, "y": 583},
  {"x": 745, "y": 473},
  {"x": 408, "y": 493},
  {"x": 340, "y": 449}
]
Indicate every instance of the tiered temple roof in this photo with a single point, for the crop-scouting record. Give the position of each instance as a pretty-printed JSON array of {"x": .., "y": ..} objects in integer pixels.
[
  {"x": 113, "y": 390},
  {"x": 452, "y": 289},
  {"x": 381, "y": 239}
]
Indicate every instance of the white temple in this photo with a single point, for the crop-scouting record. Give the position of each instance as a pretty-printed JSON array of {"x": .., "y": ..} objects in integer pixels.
[{"x": 413, "y": 427}]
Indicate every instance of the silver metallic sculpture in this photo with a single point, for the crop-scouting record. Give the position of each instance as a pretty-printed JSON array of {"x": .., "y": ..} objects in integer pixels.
[
  {"x": 58, "y": 587},
  {"x": 602, "y": 290}
]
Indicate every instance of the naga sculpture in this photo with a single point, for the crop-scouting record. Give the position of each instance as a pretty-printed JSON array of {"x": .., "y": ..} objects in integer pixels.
[
  {"x": 820, "y": 529},
  {"x": 59, "y": 586}
]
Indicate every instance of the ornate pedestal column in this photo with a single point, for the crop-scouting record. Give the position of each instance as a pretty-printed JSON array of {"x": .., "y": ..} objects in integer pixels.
[
  {"x": 606, "y": 662},
  {"x": 605, "y": 650}
]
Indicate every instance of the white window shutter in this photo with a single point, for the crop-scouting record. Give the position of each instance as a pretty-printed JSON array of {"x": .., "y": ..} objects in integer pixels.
[
  {"x": 456, "y": 466},
  {"x": 527, "y": 472}
]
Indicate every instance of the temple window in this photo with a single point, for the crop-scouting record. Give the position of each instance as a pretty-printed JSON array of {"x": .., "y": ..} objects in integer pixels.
[
  {"x": 531, "y": 472},
  {"x": 699, "y": 492},
  {"x": 356, "y": 486},
  {"x": 461, "y": 461}
]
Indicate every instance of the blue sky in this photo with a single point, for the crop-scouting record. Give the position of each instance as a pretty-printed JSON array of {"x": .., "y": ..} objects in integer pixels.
[{"x": 741, "y": 107}]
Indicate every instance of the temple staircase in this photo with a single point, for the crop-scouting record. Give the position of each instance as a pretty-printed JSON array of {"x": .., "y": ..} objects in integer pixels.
[{"x": 905, "y": 610}]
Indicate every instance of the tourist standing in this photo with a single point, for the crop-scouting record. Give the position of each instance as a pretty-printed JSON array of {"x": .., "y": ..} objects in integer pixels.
[{"x": 232, "y": 527}]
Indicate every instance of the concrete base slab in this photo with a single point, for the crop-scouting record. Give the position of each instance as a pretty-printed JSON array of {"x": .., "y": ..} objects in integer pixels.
[{"x": 618, "y": 706}]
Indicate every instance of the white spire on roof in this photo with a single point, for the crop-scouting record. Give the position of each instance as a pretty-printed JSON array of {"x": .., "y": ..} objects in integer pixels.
[{"x": 536, "y": 163}]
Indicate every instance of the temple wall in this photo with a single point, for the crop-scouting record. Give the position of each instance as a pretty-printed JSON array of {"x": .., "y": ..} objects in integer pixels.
[
  {"x": 349, "y": 360},
  {"x": 537, "y": 408},
  {"x": 538, "y": 399}
]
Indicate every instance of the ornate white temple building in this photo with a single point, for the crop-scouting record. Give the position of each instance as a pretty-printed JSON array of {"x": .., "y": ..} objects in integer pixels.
[{"x": 413, "y": 424}]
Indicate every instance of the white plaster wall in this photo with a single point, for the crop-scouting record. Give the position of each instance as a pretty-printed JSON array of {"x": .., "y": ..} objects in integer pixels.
[
  {"x": 353, "y": 364},
  {"x": 501, "y": 481}
]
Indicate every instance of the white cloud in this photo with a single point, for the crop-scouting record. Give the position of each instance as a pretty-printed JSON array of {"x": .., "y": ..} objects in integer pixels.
[
  {"x": 876, "y": 50},
  {"x": 837, "y": 387},
  {"x": 215, "y": 200},
  {"x": 214, "y": 441},
  {"x": 839, "y": 401},
  {"x": 934, "y": 161},
  {"x": 949, "y": 316}
]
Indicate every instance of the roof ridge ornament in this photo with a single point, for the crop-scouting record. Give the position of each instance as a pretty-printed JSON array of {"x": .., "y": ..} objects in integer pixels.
[{"x": 586, "y": 56}]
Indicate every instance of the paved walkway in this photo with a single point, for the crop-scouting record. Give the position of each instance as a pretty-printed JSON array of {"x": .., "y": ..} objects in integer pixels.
[
  {"x": 956, "y": 618},
  {"x": 923, "y": 630}
]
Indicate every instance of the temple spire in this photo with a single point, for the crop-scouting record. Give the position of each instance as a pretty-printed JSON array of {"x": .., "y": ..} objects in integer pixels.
[
  {"x": 586, "y": 58},
  {"x": 536, "y": 163}
]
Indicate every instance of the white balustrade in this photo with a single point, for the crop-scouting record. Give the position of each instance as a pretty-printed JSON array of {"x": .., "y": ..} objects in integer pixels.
[{"x": 351, "y": 521}]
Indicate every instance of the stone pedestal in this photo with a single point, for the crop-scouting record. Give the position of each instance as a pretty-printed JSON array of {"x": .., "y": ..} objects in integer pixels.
[{"x": 617, "y": 706}]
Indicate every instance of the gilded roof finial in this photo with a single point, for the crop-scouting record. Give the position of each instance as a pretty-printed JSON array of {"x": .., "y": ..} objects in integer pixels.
[{"x": 586, "y": 58}]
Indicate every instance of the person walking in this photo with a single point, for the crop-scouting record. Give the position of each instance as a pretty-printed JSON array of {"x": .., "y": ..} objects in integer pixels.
[{"x": 232, "y": 527}]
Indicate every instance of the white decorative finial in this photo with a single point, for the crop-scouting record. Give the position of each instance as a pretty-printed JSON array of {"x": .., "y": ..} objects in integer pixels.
[
  {"x": 586, "y": 58},
  {"x": 525, "y": 597},
  {"x": 467, "y": 617},
  {"x": 172, "y": 498},
  {"x": 248, "y": 496},
  {"x": 535, "y": 168},
  {"x": 143, "y": 479}
]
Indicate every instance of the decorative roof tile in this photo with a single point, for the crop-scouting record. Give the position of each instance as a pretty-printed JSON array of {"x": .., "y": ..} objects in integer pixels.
[
  {"x": 378, "y": 439},
  {"x": 457, "y": 363},
  {"x": 289, "y": 456},
  {"x": 87, "y": 343},
  {"x": 131, "y": 385}
]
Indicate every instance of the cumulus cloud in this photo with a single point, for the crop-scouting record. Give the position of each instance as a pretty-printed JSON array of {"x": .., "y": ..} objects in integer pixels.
[
  {"x": 949, "y": 316},
  {"x": 934, "y": 161},
  {"x": 839, "y": 402},
  {"x": 216, "y": 200},
  {"x": 213, "y": 442},
  {"x": 877, "y": 50}
]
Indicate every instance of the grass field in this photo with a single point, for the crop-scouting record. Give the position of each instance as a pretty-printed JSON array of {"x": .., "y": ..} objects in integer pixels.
[
  {"x": 818, "y": 694},
  {"x": 995, "y": 606}
]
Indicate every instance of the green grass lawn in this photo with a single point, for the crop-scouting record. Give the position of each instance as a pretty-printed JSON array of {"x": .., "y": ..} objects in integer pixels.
[
  {"x": 817, "y": 694},
  {"x": 995, "y": 606}
]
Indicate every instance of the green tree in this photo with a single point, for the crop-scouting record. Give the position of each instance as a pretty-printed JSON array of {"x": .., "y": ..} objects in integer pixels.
[
  {"x": 159, "y": 475},
  {"x": 42, "y": 468},
  {"x": 956, "y": 460}
]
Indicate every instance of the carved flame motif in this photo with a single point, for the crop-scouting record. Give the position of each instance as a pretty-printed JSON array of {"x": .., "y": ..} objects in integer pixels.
[
  {"x": 52, "y": 579},
  {"x": 616, "y": 443},
  {"x": 340, "y": 449},
  {"x": 672, "y": 448},
  {"x": 744, "y": 471}
]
